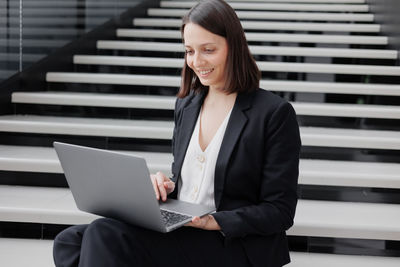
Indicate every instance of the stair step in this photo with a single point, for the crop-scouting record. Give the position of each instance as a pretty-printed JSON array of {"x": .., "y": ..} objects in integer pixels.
[
  {"x": 353, "y": 69},
  {"x": 347, "y": 110},
  {"x": 277, "y": 6},
  {"x": 257, "y": 50},
  {"x": 272, "y": 85},
  {"x": 168, "y": 102},
  {"x": 304, "y": 259},
  {"x": 313, "y": 218},
  {"x": 266, "y": 37},
  {"x": 273, "y": 25},
  {"x": 277, "y": 15},
  {"x": 87, "y": 126},
  {"x": 18, "y": 252},
  {"x": 347, "y": 220},
  {"x": 311, "y": 136},
  {"x": 40, "y": 253},
  {"x": 349, "y": 173},
  {"x": 352, "y": 138},
  {"x": 108, "y": 78},
  {"x": 95, "y": 99},
  {"x": 45, "y": 160},
  {"x": 312, "y": 171}
]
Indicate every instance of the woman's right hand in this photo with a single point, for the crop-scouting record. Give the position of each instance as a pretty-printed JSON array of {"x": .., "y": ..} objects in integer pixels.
[{"x": 162, "y": 185}]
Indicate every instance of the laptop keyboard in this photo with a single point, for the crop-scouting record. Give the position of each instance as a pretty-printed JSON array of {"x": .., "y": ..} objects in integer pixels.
[{"x": 171, "y": 218}]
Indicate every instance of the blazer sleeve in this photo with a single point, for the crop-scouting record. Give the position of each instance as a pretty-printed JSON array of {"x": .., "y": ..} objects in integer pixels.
[
  {"x": 278, "y": 191},
  {"x": 174, "y": 178}
]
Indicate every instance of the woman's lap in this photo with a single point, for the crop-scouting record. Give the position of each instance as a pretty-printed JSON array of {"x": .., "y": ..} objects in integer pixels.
[{"x": 107, "y": 242}]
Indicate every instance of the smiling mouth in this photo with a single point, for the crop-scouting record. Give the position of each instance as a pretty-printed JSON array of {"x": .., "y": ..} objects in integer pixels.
[{"x": 205, "y": 72}]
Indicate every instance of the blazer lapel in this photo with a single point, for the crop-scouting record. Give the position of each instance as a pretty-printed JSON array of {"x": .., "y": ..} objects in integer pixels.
[
  {"x": 187, "y": 124},
  {"x": 237, "y": 122}
]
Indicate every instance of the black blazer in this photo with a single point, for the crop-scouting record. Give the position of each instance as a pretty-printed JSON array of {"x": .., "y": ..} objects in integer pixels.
[{"x": 256, "y": 171}]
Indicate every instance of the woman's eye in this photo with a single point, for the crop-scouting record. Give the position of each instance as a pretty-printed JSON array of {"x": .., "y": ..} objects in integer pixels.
[
  {"x": 209, "y": 50},
  {"x": 189, "y": 52}
]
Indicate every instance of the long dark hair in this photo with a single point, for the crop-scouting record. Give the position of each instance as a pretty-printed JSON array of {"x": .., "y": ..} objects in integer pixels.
[{"x": 218, "y": 17}]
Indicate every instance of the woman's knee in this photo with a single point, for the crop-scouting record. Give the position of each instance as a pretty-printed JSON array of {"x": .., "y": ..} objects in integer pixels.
[
  {"x": 104, "y": 227},
  {"x": 106, "y": 230},
  {"x": 71, "y": 235},
  {"x": 67, "y": 246}
]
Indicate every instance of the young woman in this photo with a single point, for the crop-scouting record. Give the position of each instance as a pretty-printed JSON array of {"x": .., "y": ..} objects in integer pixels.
[{"x": 235, "y": 147}]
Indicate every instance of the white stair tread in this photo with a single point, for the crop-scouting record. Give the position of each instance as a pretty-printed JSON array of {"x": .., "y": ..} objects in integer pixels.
[
  {"x": 168, "y": 102},
  {"x": 313, "y": 218},
  {"x": 272, "y": 25},
  {"x": 156, "y": 62},
  {"x": 336, "y": 137},
  {"x": 95, "y": 99},
  {"x": 44, "y": 159},
  {"x": 347, "y": 219},
  {"x": 347, "y": 110},
  {"x": 311, "y": 136},
  {"x": 18, "y": 252},
  {"x": 40, "y": 205},
  {"x": 108, "y": 78},
  {"x": 303, "y": 259},
  {"x": 174, "y": 81},
  {"x": 349, "y": 173},
  {"x": 40, "y": 253},
  {"x": 277, "y": 6},
  {"x": 313, "y": 172},
  {"x": 276, "y": 15},
  {"x": 87, "y": 126},
  {"x": 257, "y": 50},
  {"x": 331, "y": 68},
  {"x": 330, "y": 87},
  {"x": 262, "y": 65},
  {"x": 266, "y": 37}
]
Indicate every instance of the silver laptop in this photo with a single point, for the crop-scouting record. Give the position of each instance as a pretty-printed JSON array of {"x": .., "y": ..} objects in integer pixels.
[{"x": 118, "y": 185}]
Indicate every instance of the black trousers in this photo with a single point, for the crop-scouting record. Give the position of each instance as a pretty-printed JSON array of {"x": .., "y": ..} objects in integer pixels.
[{"x": 108, "y": 242}]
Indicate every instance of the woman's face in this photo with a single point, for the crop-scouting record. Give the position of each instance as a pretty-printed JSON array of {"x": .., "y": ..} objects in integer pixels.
[{"x": 206, "y": 55}]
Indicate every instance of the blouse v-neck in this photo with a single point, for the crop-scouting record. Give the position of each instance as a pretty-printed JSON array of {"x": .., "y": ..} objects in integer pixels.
[
  {"x": 198, "y": 168},
  {"x": 221, "y": 127}
]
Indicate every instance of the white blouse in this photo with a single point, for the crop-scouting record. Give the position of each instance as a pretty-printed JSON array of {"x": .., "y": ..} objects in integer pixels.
[{"x": 198, "y": 169}]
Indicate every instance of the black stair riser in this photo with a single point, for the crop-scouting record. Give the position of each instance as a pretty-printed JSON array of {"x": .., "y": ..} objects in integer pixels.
[
  {"x": 95, "y": 112},
  {"x": 113, "y": 143},
  {"x": 347, "y": 246}
]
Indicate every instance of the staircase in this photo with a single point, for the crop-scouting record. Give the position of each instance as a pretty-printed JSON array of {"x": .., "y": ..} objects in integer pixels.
[
  {"x": 327, "y": 57},
  {"x": 47, "y": 25}
]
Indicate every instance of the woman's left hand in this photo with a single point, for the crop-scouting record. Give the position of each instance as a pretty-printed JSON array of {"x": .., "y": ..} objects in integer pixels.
[{"x": 206, "y": 222}]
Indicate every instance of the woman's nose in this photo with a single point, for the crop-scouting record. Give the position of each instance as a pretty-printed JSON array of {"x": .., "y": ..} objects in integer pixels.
[{"x": 198, "y": 60}]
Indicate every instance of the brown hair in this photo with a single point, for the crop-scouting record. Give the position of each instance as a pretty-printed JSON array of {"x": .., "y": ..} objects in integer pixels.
[{"x": 219, "y": 18}]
